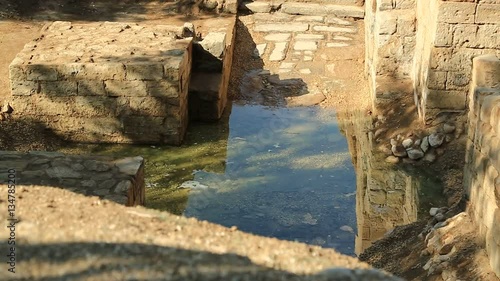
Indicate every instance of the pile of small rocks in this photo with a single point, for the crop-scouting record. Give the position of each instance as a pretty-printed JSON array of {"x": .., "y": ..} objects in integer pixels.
[{"x": 413, "y": 147}]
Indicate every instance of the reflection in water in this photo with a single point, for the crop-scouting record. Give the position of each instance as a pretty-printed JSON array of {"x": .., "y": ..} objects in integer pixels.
[
  {"x": 288, "y": 175},
  {"x": 285, "y": 173},
  {"x": 386, "y": 195}
]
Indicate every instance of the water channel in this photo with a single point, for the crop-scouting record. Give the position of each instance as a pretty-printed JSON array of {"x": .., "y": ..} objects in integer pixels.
[{"x": 288, "y": 173}]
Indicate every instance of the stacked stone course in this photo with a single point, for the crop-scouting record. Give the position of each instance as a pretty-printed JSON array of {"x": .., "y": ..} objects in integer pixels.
[
  {"x": 105, "y": 82},
  {"x": 462, "y": 31},
  {"x": 425, "y": 48},
  {"x": 482, "y": 168}
]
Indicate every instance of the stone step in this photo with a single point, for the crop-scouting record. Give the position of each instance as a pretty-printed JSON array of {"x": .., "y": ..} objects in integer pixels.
[{"x": 322, "y": 9}]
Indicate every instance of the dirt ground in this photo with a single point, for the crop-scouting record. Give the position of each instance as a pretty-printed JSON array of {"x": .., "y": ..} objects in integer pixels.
[{"x": 399, "y": 253}]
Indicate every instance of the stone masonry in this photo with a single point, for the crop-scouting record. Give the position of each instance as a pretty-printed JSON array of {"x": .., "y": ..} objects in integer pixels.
[
  {"x": 456, "y": 32},
  {"x": 105, "y": 82},
  {"x": 482, "y": 168},
  {"x": 385, "y": 197},
  {"x": 390, "y": 36},
  {"x": 425, "y": 48},
  {"x": 211, "y": 70},
  {"x": 117, "y": 180}
]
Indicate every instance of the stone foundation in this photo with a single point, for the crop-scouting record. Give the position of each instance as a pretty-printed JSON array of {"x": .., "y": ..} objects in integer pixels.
[
  {"x": 118, "y": 180},
  {"x": 482, "y": 168},
  {"x": 105, "y": 82}
]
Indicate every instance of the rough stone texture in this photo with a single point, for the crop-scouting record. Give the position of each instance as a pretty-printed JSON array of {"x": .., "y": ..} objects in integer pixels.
[
  {"x": 282, "y": 27},
  {"x": 481, "y": 173},
  {"x": 257, "y": 6},
  {"x": 390, "y": 35},
  {"x": 392, "y": 192},
  {"x": 211, "y": 71},
  {"x": 322, "y": 9},
  {"x": 434, "y": 54},
  {"x": 124, "y": 178},
  {"x": 105, "y": 82}
]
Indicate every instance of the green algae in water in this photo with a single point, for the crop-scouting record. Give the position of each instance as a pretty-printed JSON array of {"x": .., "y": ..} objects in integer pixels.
[{"x": 167, "y": 167}]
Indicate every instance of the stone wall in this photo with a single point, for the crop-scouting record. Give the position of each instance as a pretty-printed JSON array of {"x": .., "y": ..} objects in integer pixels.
[
  {"x": 117, "y": 180},
  {"x": 386, "y": 196},
  {"x": 390, "y": 46},
  {"x": 105, "y": 82},
  {"x": 451, "y": 33},
  {"x": 425, "y": 49},
  {"x": 481, "y": 174}
]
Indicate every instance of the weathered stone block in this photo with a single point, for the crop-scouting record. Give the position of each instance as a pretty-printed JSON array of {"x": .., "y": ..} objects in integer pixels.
[
  {"x": 436, "y": 80},
  {"x": 486, "y": 72},
  {"x": 17, "y": 72},
  {"x": 52, "y": 105},
  {"x": 24, "y": 87},
  {"x": 406, "y": 24},
  {"x": 144, "y": 71},
  {"x": 444, "y": 35},
  {"x": 91, "y": 71},
  {"x": 230, "y": 6},
  {"x": 446, "y": 99},
  {"x": 94, "y": 106},
  {"x": 495, "y": 118},
  {"x": 142, "y": 124},
  {"x": 488, "y": 13},
  {"x": 404, "y": 4},
  {"x": 457, "y": 80},
  {"x": 456, "y": 12},
  {"x": 386, "y": 23},
  {"x": 41, "y": 72},
  {"x": 214, "y": 43},
  {"x": 488, "y": 36},
  {"x": 165, "y": 89},
  {"x": 91, "y": 88},
  {"x": 58, "y": 88},
  {"x": 282, "y": 27},
  {"x": 119, "y": 88},
  {"x": 317, "y": 9},
  {"x": 148, "y": 106},
  {"x": 257, "y": 6},
  {"x": 101, "y": 125},
  {"x": 172, "y": 69},
  {"x": 464, "y": 35}
]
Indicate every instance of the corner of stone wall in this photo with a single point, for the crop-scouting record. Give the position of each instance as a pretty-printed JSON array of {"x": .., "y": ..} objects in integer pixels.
[
  {"x": 390, "y": 30},
  {"x": 482, "y": 163}
]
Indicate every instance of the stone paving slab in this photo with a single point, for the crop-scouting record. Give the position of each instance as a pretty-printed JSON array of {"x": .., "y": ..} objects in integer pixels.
[
  {"x": 118, "y": 180},
  {"x": 321, "y": 9},
  {"x": 314, "y": 56}
]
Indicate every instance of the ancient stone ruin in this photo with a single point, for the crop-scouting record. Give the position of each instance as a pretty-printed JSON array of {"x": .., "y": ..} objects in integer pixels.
[
  {"x": 114, "y": 82},
  {"x": 119, "y": 82}
]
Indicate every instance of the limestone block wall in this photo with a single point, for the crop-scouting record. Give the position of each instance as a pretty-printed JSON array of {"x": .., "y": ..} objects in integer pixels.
[
  {"x": 118, "y": 180},
  {"x": 105, "y": 82},
  {"x": 390, "y": 30},
  {"x": 425, "y": 48},
  {"x": 482, "y": 168},
  {"x": 450, "y": 34},
  {"x": 385, "y": 197}
]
